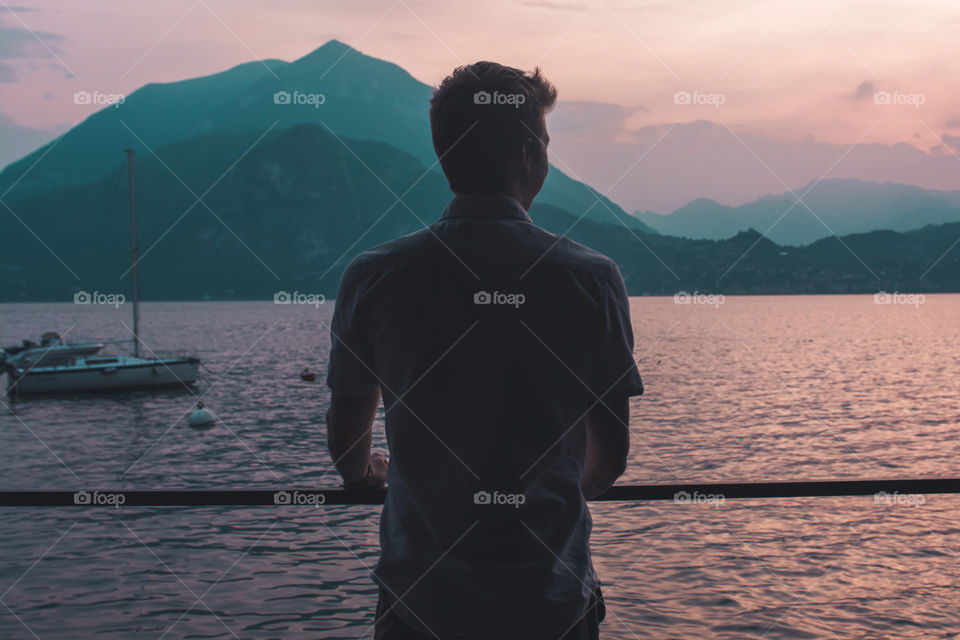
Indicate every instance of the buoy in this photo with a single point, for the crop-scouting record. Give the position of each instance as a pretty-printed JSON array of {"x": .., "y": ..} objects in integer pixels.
[
  {"x": 308, "y": 375},
  {"x": 201, "y": 416}
]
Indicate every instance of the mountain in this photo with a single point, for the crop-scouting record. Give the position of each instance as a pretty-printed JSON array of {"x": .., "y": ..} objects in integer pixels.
[
  {"x": 18, "y": 140},
  {"x": 292, "y": 191},
  {"x": 668, "y": 164},
  {"x": 363, "y": 98},
  {"x": 290, "y": 213},
  {"x": 924, "y": 216},
  {"x": 836, "y": 207}
]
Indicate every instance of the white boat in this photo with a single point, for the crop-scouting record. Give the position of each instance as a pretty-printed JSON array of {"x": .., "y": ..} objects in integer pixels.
[
  {"x": 51, "y": 349},
  {"x": 55, "y": 367},
  {"x": 103, "y": 373}
]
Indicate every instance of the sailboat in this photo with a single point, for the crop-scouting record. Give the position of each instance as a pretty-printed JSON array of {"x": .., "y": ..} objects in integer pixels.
[{"x": 56, "y": 367}]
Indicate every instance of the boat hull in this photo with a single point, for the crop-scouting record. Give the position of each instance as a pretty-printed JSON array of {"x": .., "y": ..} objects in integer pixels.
[{"x": 141, "y": 375}]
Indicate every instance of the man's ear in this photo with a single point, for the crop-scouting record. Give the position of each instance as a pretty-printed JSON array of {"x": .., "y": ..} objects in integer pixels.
[{"x": 529, "y": 155}]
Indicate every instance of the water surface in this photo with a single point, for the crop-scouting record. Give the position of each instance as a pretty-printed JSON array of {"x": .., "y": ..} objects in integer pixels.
[{"x": 756, "y": 388}]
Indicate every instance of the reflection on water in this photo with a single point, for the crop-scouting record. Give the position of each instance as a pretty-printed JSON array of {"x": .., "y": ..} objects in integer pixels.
[{"x": 757, "y": 388}]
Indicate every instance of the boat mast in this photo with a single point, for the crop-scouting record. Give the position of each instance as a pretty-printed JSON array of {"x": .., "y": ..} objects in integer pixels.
[{"x": 135, "y": 259}]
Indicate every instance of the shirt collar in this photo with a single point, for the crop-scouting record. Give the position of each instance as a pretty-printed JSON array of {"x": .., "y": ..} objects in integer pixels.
[{"x": 485, "y": 205}]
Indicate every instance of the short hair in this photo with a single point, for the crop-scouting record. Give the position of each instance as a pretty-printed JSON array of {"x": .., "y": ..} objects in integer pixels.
[{"x": 479, "y": 117}]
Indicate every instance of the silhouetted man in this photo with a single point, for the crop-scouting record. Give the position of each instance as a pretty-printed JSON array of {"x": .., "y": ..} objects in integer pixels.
[{"x": 504, "y": 354}]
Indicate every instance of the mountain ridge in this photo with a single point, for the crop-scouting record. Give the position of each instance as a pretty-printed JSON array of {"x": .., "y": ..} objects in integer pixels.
[
  {"x": 293, "y": 211},
  {"x": 837, "y": 206},
  {"x": 363, "y": 98}
]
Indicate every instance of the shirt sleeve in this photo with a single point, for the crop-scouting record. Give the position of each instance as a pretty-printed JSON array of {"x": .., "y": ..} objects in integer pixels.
[
  {"x": 351, "y": 367},
  {"x": 616, "y": 374}
]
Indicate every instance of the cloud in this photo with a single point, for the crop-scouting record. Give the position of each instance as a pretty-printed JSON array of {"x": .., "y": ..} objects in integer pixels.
[
  {"x": 590, "y": 120},
  {"x": 23, "y": 43},
  {"x": 951, "y": 141},
  {"x": 865, "y": 90},
  {"x": 7, "y": 73},
  {"x": 27, "y": 45},
  {"x": 953, "y": 123}
]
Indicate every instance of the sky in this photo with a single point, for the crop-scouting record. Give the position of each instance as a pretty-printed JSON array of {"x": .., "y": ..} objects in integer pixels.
[{"x": 833, "y": 73}]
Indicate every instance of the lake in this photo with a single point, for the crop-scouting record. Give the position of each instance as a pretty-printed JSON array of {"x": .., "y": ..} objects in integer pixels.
[{"x": 738, "y": 389}]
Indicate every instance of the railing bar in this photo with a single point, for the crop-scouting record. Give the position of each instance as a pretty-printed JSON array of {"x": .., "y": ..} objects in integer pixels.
[{"x": 686, "y": 492}]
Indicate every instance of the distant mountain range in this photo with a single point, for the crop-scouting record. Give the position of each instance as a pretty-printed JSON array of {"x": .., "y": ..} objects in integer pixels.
[
  {"x": 291, "y": 192},
  {"x": 665, "y": 165},
  {"x": 830, "y": 207},
  {"x": 294, "y": 209}
]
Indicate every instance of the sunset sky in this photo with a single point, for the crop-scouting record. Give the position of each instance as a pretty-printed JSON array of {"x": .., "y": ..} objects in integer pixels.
[{"x": 786, "y": 70}]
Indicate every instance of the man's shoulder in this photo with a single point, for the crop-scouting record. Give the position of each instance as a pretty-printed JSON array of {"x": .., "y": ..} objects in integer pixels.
[
  {"x": 387, "y": 253},
  {"x": 570, "y": 253}
]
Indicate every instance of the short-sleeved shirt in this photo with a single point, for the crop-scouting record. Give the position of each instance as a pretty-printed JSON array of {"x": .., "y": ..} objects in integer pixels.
[{"x": 491, "y": 339}]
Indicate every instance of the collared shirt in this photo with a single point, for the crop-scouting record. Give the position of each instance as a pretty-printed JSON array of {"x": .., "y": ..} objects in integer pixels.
[{"x": 491, "y": 339}]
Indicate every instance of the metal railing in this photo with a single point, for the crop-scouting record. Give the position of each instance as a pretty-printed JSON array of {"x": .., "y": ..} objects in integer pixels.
[{"x": 686, "y": 492}]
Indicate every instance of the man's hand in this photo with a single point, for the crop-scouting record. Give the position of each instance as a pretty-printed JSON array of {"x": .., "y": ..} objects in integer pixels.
[
  {"x": 379, "y": 463},
  {"x": 377, "y": 478}
]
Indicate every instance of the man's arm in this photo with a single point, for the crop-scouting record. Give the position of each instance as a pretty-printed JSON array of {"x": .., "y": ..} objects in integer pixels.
[
  {"x": 615, "y": 379},
  {"x": 608, "y": 443},
  {"x": 350, "y": 435}
]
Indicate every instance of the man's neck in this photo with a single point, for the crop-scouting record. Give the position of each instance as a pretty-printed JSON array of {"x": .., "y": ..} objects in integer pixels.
[{"x": 515, "y": 193}]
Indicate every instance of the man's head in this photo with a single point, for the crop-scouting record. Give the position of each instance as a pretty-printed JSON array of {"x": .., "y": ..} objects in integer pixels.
[{"x": 489, "y": 129}]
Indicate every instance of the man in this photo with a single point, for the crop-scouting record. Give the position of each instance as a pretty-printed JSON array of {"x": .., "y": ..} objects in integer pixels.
[{"x": 504, "y": 354}]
